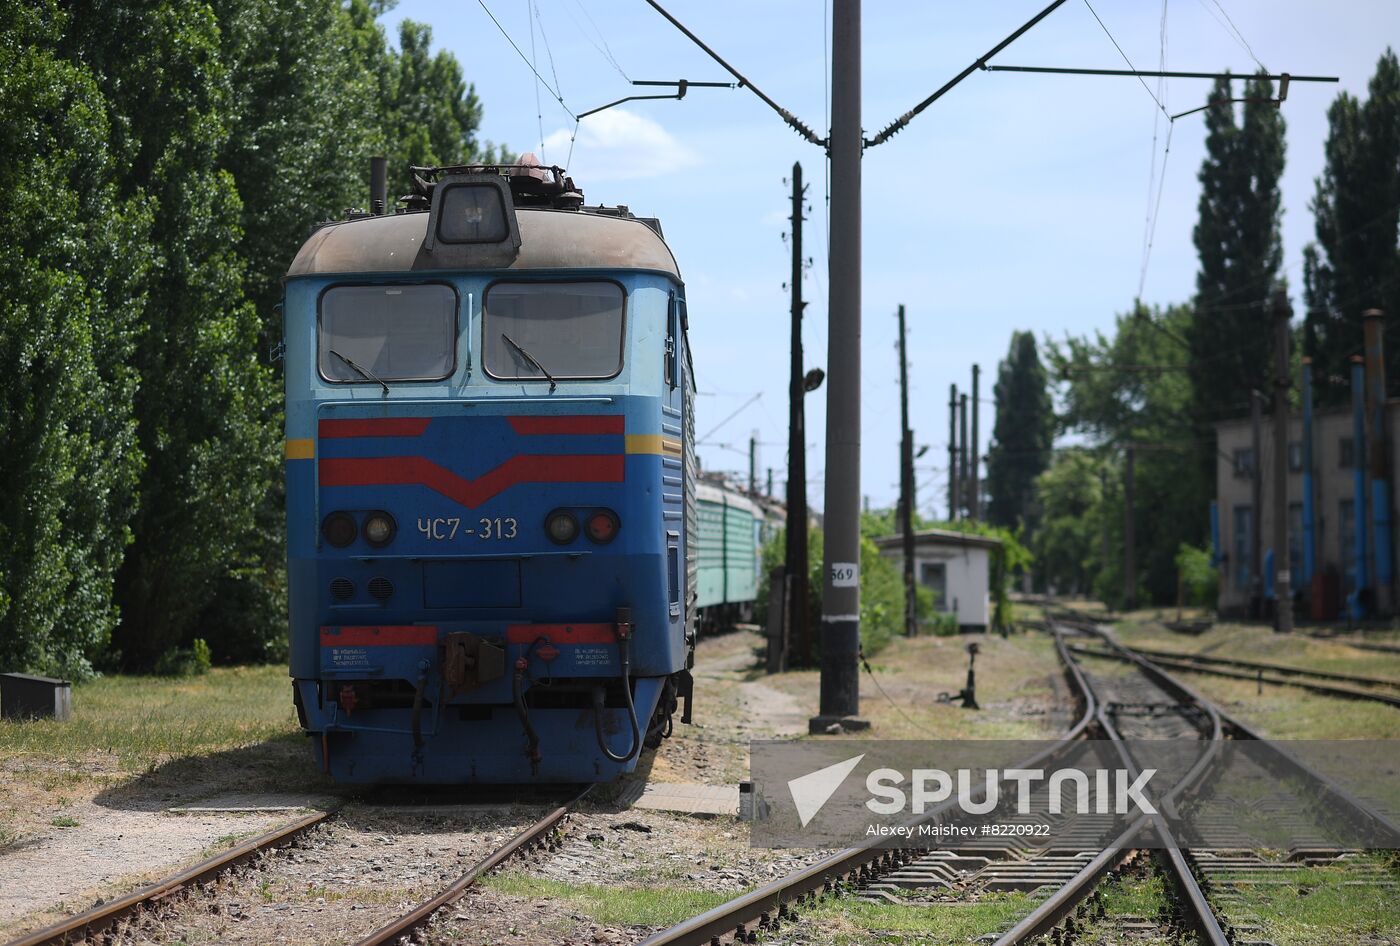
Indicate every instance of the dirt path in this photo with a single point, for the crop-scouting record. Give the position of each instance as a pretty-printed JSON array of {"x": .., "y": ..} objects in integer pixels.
[{"x": 733, "y": 704}]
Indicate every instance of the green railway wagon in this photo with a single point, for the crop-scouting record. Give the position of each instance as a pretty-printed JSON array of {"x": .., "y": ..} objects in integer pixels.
[{"x": 727, "y": 543}]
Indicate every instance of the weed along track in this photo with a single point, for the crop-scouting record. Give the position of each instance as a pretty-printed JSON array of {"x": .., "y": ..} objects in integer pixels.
[
  {"x": 1143, "y": 878},
  {"x": 1173, "y": 892},
  {"x": 767, "y": 909},
  {"x": 364, "y": 875}
]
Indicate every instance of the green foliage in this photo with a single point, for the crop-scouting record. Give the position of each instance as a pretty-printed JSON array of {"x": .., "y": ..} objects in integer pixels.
[
  {"x": 1355, "y": 264},
  {"x": 1200, "y": 579},
  {"x": 206, "y": 402},
  {"x": 200, "y": 650},
  {"x": 1120, "y": 390},
  {"x": 162, "y": 162},
  {"x": 1240, "y": 249},
  {"x": 881, "y": 591},
  {"x": 1067, "y": 544},
  {"x": 71, "y": 254},
  {"x": 1022, "y": 435}
]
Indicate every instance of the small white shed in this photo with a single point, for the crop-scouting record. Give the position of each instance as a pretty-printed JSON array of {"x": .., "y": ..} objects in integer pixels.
[{"x": 957, "y": 566}]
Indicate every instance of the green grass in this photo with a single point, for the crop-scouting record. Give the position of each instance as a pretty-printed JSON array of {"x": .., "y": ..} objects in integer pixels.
[
  {"x": 843, "y": 922},
  {"x": 138, "y": 722},
  {"x": 1134, "y": 895},
  {"x": 1319, "y": 908},
  {"x": 614, "y": 906},
  {"x": 1280, "y": 712}
]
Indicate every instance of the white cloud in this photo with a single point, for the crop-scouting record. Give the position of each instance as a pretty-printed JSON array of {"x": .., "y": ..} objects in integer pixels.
[{"x": 619, "y": 145}]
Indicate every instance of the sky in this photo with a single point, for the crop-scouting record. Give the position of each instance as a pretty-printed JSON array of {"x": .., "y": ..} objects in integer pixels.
[{"x": 1015, "y": 202}]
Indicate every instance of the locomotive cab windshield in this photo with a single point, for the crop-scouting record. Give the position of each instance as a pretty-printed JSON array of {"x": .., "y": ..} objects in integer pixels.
[
  {"x": 551, "y": 330},
  {"x": 390, "y": 333}
]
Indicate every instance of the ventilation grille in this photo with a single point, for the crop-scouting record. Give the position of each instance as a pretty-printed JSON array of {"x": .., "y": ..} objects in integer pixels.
[
  {"x": 342, "y": 589},
  {"x": 381, "y": 588}
]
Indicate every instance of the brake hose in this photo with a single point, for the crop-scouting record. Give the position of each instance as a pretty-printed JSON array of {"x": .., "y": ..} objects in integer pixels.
[
  {"x": 532, "y": 739},
  {"x": 624, "y": 642}
]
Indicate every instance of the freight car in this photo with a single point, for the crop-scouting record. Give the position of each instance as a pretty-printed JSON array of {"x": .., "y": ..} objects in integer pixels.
[{"x": 490, "y": 484}]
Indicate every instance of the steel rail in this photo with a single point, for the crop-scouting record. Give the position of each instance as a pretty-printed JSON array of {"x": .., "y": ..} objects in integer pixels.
[
  {"x": 98, "y": 919},
  {"x": 1152, "y": 653},
  {"x": 1060, "y": 904},
  {"x": 417, "y": 917},
  {"x": 1325, "y": 689},
  {"x": 1340, "y": 801},
  {"x": 763, "y": 907},
  {"x": 1199, "y": 913}
]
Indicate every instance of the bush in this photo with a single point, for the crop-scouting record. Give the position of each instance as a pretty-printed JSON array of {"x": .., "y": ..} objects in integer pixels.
[
  {"x": 192, "y": 661},
  {"x": 881, "y": 592},
  {"x": 1200, "y": 581}
]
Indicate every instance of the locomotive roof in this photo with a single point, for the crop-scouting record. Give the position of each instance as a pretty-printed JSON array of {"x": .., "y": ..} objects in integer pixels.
[{"x": 549, "y": 239}]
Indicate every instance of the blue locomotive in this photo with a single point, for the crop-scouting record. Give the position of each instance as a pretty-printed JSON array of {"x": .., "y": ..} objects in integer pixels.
[{"x": 490, "y": 484}]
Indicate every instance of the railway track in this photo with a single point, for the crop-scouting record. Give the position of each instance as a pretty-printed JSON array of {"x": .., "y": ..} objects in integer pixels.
[
  {"x": 415, "y": 919},
  {"x": 1316, "y": 681},
  {"x": 104, "y": 920},
  {"x": 769, "y": 906},
  {"x": 1202, "y": 902}
]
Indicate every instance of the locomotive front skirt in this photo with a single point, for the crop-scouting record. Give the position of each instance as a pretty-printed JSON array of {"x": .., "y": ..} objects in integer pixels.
[{"x": 490, "y": 489}]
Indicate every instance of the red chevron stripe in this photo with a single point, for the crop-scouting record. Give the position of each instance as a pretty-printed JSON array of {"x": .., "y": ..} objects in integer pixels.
[
  {"x": 420, "y": 471},
  {"x": 373, "y": 427},
  {"x": 577, "y": 424}
]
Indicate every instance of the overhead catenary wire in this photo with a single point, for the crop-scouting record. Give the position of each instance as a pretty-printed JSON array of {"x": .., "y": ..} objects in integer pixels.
[
  {"x": 523, "y": 58},
  {"x": 899, "y": 123},
  {"x": 737, "y": 411},
  {"x": 792, "y": 120},
  {"x": 1235, "y": 30},
  {"x": 539, "y": 109},
  {"x": 604, "y": 50},
  {"x": 1125, "y": 57}
]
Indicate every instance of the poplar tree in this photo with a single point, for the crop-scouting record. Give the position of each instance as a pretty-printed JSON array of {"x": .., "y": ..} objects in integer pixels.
[
  {"x": 205, "y": 403},
  {"x": 72, "y": 256},
  {"x": 1240, "y": 248},
  {"x": 1355, "y": 264},
  {"x": 1022, "y": 435}
]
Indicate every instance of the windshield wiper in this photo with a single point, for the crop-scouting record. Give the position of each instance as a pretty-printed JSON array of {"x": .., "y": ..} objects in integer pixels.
[
  {"x": 531, "y": 359},
  {"x": 362, "y": 371}
]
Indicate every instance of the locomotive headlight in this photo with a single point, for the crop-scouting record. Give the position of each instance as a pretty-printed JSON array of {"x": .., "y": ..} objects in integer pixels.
[
  {"x": 379, "y": 529},
  {"x": 561, "y": 527},
  {"x": 339, "y": 529},
  {"x": 602, "y": 526}
]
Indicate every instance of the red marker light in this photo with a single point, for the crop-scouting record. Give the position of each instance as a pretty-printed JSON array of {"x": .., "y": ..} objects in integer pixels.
[{"x": 602, "y": 526}]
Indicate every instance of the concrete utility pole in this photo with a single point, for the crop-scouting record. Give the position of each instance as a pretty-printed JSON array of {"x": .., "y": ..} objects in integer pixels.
[
  {"x": 1283, "y": 590},
  {"x": 1256, "y": 505},
  {"x": 962, "y": 452},
  {"x": 906, "y": 488},
  {"x": 975, "y": 500},
  {"x": 952, "y": 453},
  {"x": 1309, "y": 487},
  {"x": 753, "y": 465},
  {"x": 1378, "y": 442},
  {"x": 840, "y": 683},
  {"x": 1129, "y": 540},
  {"x": 768, "y": 490},
  {"x": 796, "y": 552}
]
